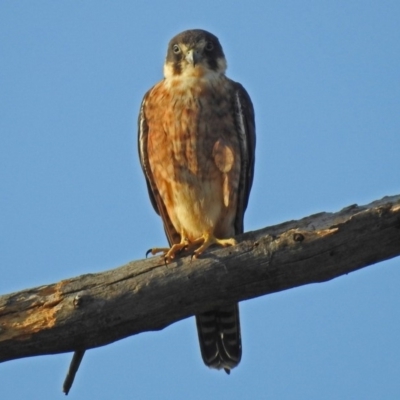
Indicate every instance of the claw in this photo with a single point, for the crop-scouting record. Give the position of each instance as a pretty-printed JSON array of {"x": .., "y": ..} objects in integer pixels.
[
  {"x": 169, "y": 253},
  {"x": 157, "y": 250},
  {"x": 209, "y": 240},
  {"x": 204, "y": 242}
]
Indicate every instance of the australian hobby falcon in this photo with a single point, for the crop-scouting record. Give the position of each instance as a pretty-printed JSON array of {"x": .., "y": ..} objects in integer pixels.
[{"x": 196, "y": 147}]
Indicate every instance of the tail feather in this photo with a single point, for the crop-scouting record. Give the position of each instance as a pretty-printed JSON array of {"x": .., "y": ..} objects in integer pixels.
[{"x": 219, "y": 337}]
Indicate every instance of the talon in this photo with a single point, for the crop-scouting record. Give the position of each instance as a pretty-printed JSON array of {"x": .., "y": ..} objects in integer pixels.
[
  {"x": 157, "y": 250},
  {"x": 169, "y": 253},
  {"x": 209, "y": 240},
  {"x": 204, "y": 242}
]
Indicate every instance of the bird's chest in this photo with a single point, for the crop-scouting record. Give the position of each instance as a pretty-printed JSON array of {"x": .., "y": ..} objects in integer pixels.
[{"x": 194, "y": 119}]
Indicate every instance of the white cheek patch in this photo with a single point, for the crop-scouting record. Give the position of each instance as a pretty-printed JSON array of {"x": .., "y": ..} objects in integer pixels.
[
  {"x": 168, "y": 70},
  {"x": 222, "y": 65}
]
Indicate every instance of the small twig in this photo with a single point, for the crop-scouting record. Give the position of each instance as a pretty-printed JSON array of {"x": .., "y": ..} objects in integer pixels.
[{"x": 73, "y": 368}]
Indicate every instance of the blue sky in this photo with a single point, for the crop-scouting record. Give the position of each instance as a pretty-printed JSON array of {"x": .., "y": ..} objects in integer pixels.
[{"x": 325, "y": 81}]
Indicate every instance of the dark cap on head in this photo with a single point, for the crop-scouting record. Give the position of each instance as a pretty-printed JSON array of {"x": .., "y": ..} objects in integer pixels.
[{"x": 205, "y": 43}]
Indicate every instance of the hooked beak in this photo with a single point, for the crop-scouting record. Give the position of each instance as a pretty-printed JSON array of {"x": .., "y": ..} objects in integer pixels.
[{"x": 193, "y": 57}]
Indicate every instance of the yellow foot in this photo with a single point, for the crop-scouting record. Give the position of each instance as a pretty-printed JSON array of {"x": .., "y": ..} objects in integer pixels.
[
  {"x": 209, "y": 240},
  {"x": 157, "y": 250},
  {"x": 168, "y": 253}
]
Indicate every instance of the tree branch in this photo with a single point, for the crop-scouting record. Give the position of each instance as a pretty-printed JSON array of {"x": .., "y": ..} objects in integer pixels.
[{"x": 96, "y": 309}]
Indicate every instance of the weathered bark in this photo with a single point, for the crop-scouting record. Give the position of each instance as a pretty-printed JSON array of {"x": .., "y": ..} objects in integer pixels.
[{"x": 96, "y": 309}]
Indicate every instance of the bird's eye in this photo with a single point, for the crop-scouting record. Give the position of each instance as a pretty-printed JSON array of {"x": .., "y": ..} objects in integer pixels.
[
  {"x": 176, "y": 49},
  {"x": 209, "y": 46}
]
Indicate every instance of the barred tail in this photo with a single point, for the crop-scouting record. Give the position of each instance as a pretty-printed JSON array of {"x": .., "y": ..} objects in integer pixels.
[{"x": 219, "y": 337}]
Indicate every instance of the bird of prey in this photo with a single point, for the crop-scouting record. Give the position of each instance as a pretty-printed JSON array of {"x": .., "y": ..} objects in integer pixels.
[{"x": 196, "y": 146}]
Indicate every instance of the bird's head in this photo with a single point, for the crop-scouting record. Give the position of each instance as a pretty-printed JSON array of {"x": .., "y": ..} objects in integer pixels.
[{"x": 194, "y": 53}]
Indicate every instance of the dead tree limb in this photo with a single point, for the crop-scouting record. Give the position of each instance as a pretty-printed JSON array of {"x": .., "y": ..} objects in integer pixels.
[{"x": 96, "y": 309}]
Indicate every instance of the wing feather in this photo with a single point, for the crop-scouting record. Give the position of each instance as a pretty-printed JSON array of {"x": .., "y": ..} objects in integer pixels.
[
  {"x": 245, "y": 125},
  {"x": 143, "y": 131}
]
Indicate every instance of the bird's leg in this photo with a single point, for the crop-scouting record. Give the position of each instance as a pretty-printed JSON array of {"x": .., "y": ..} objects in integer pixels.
[
  {"x": 169, "y": 253},
  {"x": 175, "y": 249},
  {"x": 208, "y": 239},
  {"x": 156, "y": 250}
]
